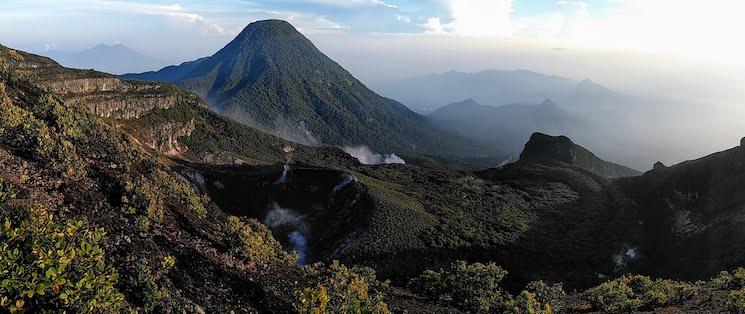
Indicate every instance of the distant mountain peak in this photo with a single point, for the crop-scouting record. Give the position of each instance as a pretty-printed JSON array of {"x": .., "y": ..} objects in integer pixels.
[
  {"x": 543, "y": 147},
  {"x": 548, "y": 102},
  {"x": 117, "y": 46}
]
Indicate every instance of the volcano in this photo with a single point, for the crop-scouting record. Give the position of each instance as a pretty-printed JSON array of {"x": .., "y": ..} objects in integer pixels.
[{"x": 273, "y": 78}]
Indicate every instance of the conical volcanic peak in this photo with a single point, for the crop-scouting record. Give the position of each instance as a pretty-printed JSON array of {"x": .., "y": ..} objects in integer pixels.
[{"x": 273, "y": 78}]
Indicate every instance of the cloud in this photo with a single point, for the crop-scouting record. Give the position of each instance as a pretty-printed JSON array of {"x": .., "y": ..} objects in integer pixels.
[
  {"x": 403, "y": 18},
  {"x": 178, "y": 12},
  {"x": 481, "y": 17},
  {"x": 353, "y": 3},
  {"x": 435, "y": 26},
  {"x": 474, "y": 18}
]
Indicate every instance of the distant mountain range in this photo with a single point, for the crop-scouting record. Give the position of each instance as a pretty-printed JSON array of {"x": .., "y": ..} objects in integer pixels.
[
  {"x": 273, "y": 78},
  {"x": 507, "y": 127},
  {"x": 116, "y": 59},
  {"x": 494, "y": 87}
]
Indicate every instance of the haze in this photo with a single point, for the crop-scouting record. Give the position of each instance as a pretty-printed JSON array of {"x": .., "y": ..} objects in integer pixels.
[{"x": 679, "y": 61}]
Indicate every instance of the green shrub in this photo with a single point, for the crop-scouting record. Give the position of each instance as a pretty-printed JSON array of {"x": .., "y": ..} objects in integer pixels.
[
  {"x": 635, "y": 292},
  {"x": 472, "y": 287},
  {"x": 253, "y": 242},
  {"x": 729, "y": 281},
  {"x": 153, "y": 293},
  {"x": 527, "y": 303},
  {"x": 144, "y": 197},
  {"x": 7, "y": 192},
  {"x": 51, "y": 266},
  {"x": 184, "y": 193},
  {"x": 340, "y": 289},
  {"x": 736, "y": 301},
  {"x": 432, "y": 284},
  {"x": 552, "y": 295}
]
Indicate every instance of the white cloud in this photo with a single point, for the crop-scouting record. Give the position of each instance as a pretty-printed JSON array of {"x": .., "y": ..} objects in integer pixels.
[
  {"x": 354, "y": 3},
  {"x": 403, "y": 18},
  {"x": 482, "y": 17},
  {"x": 435, "y": 26},
  {"x": 474, "y": 18},
  {"x": 178, "y": 12}
]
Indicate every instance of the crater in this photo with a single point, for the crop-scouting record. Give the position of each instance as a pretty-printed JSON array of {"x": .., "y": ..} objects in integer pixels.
[{"x": 310, "y": 210}]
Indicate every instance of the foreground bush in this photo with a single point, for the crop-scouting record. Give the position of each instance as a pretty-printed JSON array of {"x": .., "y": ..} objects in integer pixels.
[
  {"x": 471, "y": 287},
  {"x": 340, "y": 289},
  {"x": 635, "y": 292},
  {"x": 51, "y": 266}
]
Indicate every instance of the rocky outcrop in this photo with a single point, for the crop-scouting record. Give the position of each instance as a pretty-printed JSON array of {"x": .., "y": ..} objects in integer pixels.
[
  {"x": 164, "y": 137},
  {"x": 547, "y": 148},
  {"x": 122, "y": 106},
  {"x": 113, "y": 98},
  {"x": 85, "y": 85}
]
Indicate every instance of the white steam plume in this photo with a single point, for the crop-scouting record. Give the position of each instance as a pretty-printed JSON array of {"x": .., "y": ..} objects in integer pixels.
[
  {"x": 288, "y": 218},
  {"x": 366, "y": 156}
]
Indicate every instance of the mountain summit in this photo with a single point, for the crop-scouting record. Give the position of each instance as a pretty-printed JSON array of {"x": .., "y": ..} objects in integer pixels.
[
  {"x": 542, "y": 147},
  {"x": 273, "y": 78}
]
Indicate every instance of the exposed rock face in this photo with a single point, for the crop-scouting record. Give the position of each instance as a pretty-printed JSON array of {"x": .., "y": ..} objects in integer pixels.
[
  {"x": 165, "y": 137},
  {"x": 742, "y": 143},
  {"x": 119, "y": 106},
  {"x": 85, "y": 85},
  {"x": 113, "y": 98},
  {"x": 659, "y": 166}
]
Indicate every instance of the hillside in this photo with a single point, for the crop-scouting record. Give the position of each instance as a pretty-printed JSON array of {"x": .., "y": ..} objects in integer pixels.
[
  {"x": 693, "y": 213},
  {"x": 273, "y": 78},
  {"x": 508, "y": 126}
]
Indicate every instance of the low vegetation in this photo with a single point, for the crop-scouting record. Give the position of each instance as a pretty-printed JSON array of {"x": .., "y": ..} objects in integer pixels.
[
  {"x": 53, "y": 265},
  {"x": 476, "y": 288},
  {"x": 635, "y": 292},
  {"x": 341, "y": 289}
]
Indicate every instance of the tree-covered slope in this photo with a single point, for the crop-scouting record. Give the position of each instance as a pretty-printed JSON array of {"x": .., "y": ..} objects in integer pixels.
[{"x": 273, "y": 78}]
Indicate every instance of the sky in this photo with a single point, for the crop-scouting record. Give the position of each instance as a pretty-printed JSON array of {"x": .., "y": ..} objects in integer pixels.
[
  {"x": 703, "y": 29},
  {"x": 686, "y": 51}
]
